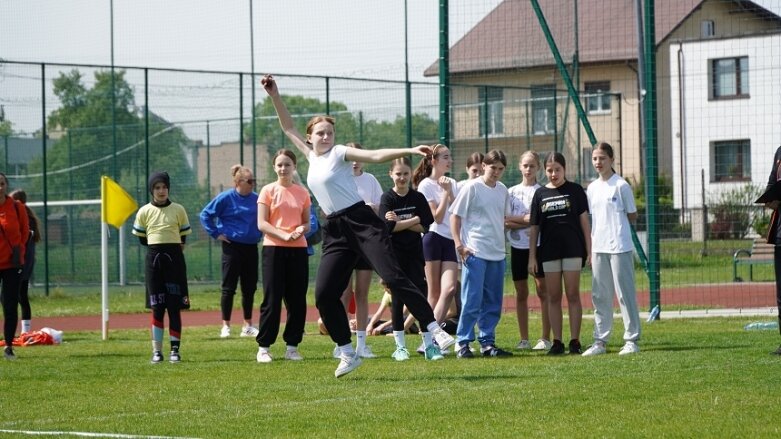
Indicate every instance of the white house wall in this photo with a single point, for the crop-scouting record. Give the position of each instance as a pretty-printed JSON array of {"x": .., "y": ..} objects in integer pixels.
[{"x": 697, "y": 121}]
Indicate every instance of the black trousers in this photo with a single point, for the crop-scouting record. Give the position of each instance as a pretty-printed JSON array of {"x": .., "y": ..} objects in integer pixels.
[
  {"x": 9, "y": 295},
  {"x": 347, "y": 235},
  {"x": 285, "y": 279},
  {"x": 414, "y": 266},
  {"x": 777, "y": 266},
  {"x": 239, "y": 263}
]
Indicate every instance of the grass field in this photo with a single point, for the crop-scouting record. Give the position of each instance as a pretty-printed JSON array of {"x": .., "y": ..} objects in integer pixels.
[{"x": 693, "y": 378}]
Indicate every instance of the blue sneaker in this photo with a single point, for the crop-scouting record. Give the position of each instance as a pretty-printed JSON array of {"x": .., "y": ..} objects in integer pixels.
[
  {"x": 493, "y": 351},
  {"x": 433, "y": 353},
  {"x": 465, "y": 352}
]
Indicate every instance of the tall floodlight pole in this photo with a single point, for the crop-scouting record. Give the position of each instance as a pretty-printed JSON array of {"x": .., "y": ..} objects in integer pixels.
[
  {"x": 407, "y": 88},
  {"x": 113, "y": 99},
  {"x": 252, "y": 78},
  {"x": 444, "y": 74}
]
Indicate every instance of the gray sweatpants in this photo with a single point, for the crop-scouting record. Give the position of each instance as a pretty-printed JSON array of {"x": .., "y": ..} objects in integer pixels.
[{"x": 614, "y": 273}]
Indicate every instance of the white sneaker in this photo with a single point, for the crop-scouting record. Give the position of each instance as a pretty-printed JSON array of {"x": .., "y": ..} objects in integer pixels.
[
  {"x": 337, "y": 353},
  {"x": 264, "y": 356},
  {"x": 400, "y": 354},
  {"x": 629, "y": 348},
  {"x": 542, "y": 345},
  {"x": 366, "y": 352},
  {"x": 248, "y": 331},
  {"x": 347, "y": 364},
  {"x": 443, "y": 339},
  {"x": 225, "y": 332},
  {"x": 523, "y": 345},
  {"x": 293, "y": 355},
  {"x": 598, "y": 348}
]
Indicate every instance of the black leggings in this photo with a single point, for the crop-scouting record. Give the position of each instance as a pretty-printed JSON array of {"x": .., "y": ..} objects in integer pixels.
[
  {"x": 9, "y": 295},
  {"x": 174, "y": 316},
  {"x": 347, "y": 235}
]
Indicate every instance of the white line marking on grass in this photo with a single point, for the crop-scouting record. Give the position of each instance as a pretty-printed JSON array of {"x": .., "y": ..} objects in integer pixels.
[{"x": 88, "y": 434}]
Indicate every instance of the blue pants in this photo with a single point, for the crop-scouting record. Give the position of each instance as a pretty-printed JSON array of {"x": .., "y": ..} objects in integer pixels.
[{"x": 482, "y": 291}]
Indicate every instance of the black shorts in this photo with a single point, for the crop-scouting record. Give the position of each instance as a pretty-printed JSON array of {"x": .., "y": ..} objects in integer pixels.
[
  {"x": 519, "y": 264},
  {"x": 438, "y": 248}
]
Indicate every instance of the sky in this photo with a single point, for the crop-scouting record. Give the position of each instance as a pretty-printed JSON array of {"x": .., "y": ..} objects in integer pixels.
[
  {"x": 334, "y": 37},
  {"x": 353, "y": 38}
]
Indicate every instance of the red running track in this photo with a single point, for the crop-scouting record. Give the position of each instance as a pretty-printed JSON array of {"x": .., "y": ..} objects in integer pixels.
[{"x": 731, "y": 295}]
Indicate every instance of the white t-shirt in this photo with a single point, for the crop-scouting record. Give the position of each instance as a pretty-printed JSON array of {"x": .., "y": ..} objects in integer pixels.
[
  {"x": 368, "y": 188},
  {"x": 482, "y": 209},
  {"x": 520, "y": 200},
  {"x": 609, "y": 203},
  {"x": 330, "y": 179},
  {"x": 433, "y": 193},
  {"x": 461, "y": 183}
]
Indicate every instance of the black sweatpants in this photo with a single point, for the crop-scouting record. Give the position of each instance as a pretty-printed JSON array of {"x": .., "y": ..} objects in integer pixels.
[
  {"x": 414, "y": 266},
  {"x": 347, "y": 235},
  {"x": 777, "y": 266},
  {"x": 9, "y": 295},
  {"x": 239, "y": 264},
  {"x": 285, "y": 278}
]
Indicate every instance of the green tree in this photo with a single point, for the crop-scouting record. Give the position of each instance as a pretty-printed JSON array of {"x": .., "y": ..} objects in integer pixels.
[
  {"x": 268, "y": 133},
  {"x": 86, "y": 149},
  {"x": 6, "y": 128}
]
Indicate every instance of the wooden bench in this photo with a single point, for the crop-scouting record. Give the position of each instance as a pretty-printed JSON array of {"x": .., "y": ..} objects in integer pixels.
[{"x": 761, "y": 253}]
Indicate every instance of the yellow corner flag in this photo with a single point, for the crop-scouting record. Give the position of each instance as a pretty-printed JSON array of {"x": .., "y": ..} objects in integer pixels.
[{"x": 116, "y": 204}]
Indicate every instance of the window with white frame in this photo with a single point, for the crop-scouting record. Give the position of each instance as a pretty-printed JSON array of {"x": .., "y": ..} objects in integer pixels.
[
  {"x": 729, "y": 78},
  {"x": 731, "y": 160},
  {"x": 597, "y": 97},
  {"x": 491, "y": 110},
  {"x": 543, "y": 109}
]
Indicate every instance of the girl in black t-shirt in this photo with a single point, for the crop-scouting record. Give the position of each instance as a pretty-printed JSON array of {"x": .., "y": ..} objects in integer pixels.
[
  {"x": 407, "y": 214},
  {"x": 559, "y": 216}
]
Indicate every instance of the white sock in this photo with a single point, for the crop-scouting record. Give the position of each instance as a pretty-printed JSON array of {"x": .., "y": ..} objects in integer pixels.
[
  {"x": 26, "y": 325},
  {"x": 157, "y": 346},
  {"x": 292, "y": 348},
  {"x": 262, "y": 349},
  {"x": 400, "y": 340},
  {"x": 361, "y": 343},
  {"x": 347, "y": 350},
  {"x": 427, "y": 339}
]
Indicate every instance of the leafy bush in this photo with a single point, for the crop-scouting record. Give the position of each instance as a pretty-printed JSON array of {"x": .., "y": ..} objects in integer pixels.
[{"x": 732, "y": 212}]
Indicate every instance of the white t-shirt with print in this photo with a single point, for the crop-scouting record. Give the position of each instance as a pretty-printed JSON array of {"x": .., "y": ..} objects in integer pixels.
[
  {"x": 520, "y": 201},
  {"x": 330, "y": 179},
  {"x": 482, "y": 209},
  {"x": 609, "y": 203},
  {"x": 434, "y": 193}
]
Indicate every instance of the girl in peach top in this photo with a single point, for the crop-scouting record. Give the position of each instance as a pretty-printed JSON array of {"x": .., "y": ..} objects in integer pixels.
[{"x": 283, "y": 217}]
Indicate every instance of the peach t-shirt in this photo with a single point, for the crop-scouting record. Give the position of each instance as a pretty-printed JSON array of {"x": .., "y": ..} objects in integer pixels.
[{"x": 285, "y": 205}]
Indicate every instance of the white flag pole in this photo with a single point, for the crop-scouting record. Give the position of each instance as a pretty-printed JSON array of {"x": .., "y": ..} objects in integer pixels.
[
  {"x": 104, "y": 277},
  {"x": 122, "y": 256}
]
